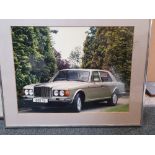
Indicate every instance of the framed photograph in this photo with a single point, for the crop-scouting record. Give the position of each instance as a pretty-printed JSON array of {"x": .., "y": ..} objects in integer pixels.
[{"x": 73, "y": 72}]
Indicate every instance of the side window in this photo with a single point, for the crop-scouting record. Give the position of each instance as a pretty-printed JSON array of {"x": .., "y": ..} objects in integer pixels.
[
  {"x": 95, "y": 76},
  {"x": 105, "y": 77}
]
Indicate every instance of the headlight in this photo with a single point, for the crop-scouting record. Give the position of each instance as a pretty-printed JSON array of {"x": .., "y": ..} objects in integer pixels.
[
  {"x": 55, "y": 92},
  {"x": 31, "y": 92},
  {"x": 61, "y": 93},
  {"x": 26, "y": 92}
]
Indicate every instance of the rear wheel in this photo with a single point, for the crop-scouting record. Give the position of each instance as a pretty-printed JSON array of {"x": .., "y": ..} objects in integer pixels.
[
  {"x": 113, "y": 100},
  {"x": 77, "y": 103}
]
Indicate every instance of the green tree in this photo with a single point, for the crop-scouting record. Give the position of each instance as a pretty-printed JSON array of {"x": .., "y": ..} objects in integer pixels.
[
  {"x": 110, "y": 48},
  {"x": 44, "y": 66},
  {"x": 33, "y": 55},
  {"x": 90, "y": 46}
]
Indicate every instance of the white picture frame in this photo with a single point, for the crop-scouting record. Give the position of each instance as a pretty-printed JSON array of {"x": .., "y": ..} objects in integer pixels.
[{"x": 138, "y": 73}]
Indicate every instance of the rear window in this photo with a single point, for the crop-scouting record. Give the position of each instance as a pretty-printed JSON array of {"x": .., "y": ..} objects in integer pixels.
[{"x": 105, "y": 77}]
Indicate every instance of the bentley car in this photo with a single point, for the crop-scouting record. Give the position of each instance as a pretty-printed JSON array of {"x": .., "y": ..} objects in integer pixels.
[{"x": 74, "y": 87}]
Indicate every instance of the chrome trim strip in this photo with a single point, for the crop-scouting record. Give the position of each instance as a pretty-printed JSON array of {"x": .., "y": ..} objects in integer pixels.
[{"x": 98, "y": 99}]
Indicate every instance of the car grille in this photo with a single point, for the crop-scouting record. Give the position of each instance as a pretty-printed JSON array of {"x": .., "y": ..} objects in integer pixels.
[{"x": 42, "y": 92}]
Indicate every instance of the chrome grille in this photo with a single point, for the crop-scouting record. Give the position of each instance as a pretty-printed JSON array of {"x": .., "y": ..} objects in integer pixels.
[{"x": 42, "y": 91}]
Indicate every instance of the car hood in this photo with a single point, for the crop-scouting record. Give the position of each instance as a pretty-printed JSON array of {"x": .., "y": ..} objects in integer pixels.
[{"x": 59, "y": 85}]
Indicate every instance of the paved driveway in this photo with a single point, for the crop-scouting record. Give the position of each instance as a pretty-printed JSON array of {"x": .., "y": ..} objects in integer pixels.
[{"x": 102, "y": 106}]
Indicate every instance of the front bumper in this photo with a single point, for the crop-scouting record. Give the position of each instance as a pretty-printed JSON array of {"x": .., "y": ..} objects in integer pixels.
[{"x": 54, "y": 102}]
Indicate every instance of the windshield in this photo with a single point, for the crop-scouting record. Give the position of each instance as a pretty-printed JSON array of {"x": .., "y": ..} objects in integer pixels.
[{"x": 72, "y": 75}]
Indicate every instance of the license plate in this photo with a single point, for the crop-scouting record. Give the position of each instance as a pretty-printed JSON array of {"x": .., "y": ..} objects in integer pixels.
[{"x": 40, "y": 100}]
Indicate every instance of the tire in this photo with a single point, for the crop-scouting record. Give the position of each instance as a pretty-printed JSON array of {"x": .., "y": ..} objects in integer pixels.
[
  {"x": 77, "y": 103},
  {"x": 113, "y": 100}
]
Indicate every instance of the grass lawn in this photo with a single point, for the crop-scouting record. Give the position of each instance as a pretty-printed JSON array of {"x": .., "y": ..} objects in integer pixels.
[{"x": 118, "y": 108}]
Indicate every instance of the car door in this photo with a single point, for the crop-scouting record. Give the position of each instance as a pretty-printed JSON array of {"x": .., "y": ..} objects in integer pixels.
[
  {"x": 107, "y": 84},
  {"x": 94, "y": 88}
]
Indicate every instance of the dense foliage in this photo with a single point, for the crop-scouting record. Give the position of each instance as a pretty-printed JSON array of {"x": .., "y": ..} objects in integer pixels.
[
  {"x": 110, "y": 48},
  {"x": 36, "y": 60},
  {"x": 33, "y": 55}
]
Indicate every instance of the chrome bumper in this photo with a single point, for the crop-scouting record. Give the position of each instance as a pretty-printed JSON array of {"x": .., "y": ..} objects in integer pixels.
[{"x": 50, "y": 100}]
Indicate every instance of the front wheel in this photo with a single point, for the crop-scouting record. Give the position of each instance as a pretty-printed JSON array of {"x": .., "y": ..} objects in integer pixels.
[
  {"x": 113, "y": 100},
  {"x": 77, "y": 103}
]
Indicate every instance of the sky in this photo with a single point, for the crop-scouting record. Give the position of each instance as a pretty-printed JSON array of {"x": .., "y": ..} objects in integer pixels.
[{"x": 68, "y": 38}]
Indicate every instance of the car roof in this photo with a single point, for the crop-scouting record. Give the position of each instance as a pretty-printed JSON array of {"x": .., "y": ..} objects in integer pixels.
[{"x": 82, "y": 69}]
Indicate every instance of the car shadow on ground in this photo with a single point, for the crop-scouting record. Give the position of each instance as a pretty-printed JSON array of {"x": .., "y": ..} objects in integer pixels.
[
  {"x": 87, "y": 107},
  {"x": 44, "y": 109}
]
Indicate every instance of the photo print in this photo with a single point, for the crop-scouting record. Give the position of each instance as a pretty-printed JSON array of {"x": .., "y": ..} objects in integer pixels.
[
  {"x": 72, "y": 69},
  {"x": 73, "y": 72}
]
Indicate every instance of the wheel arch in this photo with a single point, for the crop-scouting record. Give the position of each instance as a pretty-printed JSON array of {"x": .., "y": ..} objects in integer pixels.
[
  {"x": 82, "y": 94},
  {"x": 116, "y": 90}
]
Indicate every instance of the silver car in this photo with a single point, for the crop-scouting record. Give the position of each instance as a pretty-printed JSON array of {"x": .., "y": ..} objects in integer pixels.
[{"x": 75, "y": 87}]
